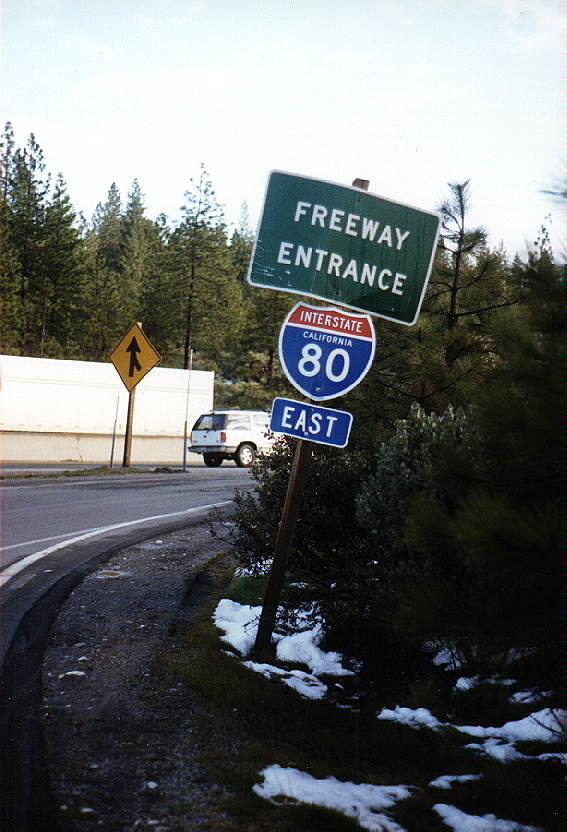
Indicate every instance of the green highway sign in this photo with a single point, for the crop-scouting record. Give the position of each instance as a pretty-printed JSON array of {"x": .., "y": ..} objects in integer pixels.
[{"x": 345, "y": 245}]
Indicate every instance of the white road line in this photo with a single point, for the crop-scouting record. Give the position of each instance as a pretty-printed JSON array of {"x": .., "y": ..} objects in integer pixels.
[
  {"x": 14, "y": 569},
  {"x": 47, "y": 539}
]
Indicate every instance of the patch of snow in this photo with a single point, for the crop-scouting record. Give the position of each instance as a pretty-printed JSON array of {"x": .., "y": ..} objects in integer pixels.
[
  {"x": 303, "y": 649},
  {"x": 361, "y": 801},
  {"x": 523, "y": 697},
  {"x": 461, "y": 822},
  {"x": 448, "y": 657},
  {"x": 268, "y": 671},
  {"x": 244, "y": 572},
  {"x": 304, "y": 683},
  {"x": 239, "y": 622},
  {"x": 415, "y": 718},
  {"x": 543, "y": 726},
  {"x": 506, "y": 752},
  {"x": 497, "y": 749},
  {"x": 467, "y": 682},
  {"x": 72, "y": 673},
  {"x": 518, "y": 654},
  {"x": 558, "y": 755},
  {"x": 447, "y": 780}
]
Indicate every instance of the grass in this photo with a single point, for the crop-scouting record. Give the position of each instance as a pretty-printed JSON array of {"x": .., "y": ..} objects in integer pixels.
[
  {"x": 266, "y": 723},
  {"x": 245, "y": 590},
  {"x": 83, "y": 472}
]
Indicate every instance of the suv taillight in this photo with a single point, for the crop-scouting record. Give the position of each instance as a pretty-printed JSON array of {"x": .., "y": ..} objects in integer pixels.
[{"x": 223, "y": 437}]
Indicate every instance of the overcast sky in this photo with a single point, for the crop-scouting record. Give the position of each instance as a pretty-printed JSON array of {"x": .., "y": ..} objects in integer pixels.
[{"x": 410, "y": 94}]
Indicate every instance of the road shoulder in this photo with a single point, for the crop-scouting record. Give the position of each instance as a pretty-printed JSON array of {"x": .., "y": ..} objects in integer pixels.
[{"x": 122, "y": 740}]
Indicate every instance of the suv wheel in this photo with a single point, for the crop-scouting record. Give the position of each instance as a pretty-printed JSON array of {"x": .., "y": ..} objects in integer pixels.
[
  {"x": 245, "y": 456},
  {"x": 212, "y": 460}
]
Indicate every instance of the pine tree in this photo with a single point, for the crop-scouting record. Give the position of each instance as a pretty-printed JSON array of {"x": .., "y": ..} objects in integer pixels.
[
  {"x": 10, "y": 276},
  {"x": 8, "y": 144},
  {"x": 107, "y": 226},
  {"x": 104, "y": 319},
  {"x": 204, "y": 273},
  {"x": 26, "y": 185},
  {"x": 443, "y": 358},
  {"x": 135, "y": 248},
  {"x": 160, "y": 298},
  {"x": 503, "y": 533},
  {"x": 241, "y": 245},
  {"x": 63, "y": 263}
]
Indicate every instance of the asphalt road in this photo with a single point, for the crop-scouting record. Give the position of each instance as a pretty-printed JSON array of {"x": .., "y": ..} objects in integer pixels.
[
  {"x": 54, "y": 532},
  {"x": 39, "y": 513},
  {"x": 54, "y": 529}
]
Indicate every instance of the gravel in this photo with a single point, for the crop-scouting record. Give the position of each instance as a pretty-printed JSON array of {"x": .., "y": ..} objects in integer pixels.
[{"x": 124, "y": 741}]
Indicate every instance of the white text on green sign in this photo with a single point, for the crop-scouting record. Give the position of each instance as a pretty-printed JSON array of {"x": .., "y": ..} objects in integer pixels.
[{"x": 345, "y": 245}]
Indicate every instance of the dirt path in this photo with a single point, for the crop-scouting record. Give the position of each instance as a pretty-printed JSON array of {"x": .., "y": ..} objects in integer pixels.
[{"x": 124, "y": 739}]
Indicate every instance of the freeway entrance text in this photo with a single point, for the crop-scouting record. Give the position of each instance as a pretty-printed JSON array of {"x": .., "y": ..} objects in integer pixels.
[{"x": 345, "y": 245}]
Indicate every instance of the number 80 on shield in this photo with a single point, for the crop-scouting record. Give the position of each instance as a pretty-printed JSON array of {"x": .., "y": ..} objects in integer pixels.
[{"x": 325, "y": 351}]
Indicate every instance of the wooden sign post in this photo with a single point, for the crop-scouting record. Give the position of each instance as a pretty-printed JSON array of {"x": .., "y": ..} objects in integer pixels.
[{"x": 297, "y": 478}]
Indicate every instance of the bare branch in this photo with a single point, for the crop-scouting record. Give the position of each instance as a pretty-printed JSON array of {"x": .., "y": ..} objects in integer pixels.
[{"x": 489, "y": 308}]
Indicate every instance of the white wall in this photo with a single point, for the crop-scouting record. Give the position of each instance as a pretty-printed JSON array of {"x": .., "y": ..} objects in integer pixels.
[{"x": 65, "y": 410}]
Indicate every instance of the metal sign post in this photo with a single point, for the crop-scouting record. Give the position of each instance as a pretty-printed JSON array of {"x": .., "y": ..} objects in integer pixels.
[
  {"x": 186, "y": 426},
  {"x": 114, "y": 432}
]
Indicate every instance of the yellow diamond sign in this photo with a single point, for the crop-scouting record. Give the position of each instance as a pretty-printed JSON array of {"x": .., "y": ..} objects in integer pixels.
[{"x": 134, "y": 356}]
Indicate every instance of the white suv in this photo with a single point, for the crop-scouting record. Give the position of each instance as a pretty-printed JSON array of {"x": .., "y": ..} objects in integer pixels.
[{"x": 231, "y": 434}]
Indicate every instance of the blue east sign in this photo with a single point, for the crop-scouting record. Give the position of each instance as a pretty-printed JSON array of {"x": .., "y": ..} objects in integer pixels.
[{"x": 311, "y": 422}]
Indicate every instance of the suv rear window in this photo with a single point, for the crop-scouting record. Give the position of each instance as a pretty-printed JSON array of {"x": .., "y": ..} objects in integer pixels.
[
  {"x": 210, "y": 421},
  {"x": 262, "y": 421},
  {"x": 237, "y": 421}
]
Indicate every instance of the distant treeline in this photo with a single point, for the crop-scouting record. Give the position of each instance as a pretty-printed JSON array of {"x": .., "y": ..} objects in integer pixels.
[{"x": 70, "y": 287}]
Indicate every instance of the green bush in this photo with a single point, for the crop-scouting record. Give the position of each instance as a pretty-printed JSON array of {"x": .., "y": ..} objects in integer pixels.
[
  {"x": 329, "y": 553},
  {"x": 449, "y": 531}
]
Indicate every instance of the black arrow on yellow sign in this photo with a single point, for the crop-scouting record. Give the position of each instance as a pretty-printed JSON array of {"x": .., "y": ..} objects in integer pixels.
[
  {"x": 133, "y": 349},
  {"x": 133, "y": 357}
]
